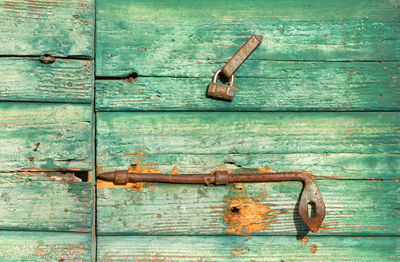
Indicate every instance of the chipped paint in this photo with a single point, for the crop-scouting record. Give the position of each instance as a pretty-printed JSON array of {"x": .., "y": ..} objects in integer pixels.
[
  {"x": 266, "y": 169},
  {"x": 246, "y": 216},
  {"x": 175, "y": 171},
  {"x": 238, "y": 252}
]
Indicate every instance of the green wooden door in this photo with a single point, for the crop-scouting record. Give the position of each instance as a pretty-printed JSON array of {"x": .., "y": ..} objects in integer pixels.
[{"x": 127, "y": 91}]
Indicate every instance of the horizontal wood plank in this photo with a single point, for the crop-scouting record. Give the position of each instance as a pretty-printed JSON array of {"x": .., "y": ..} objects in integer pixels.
[
  {"x": 27, "y": 79},
  {"x": 139, "y": 248},
  {"x": 45, "y": 201},
  {"x": 170, "y": 38},
  {"x": 273, "y": 86},
  {"x": 125, "y": 133},
  {"x": 46, "y": 136},
  {"x": 42, "y": 246},
  {"x": 323, "y": 166},
  {"x": 63, "y": 28},
  {"x": 248, "y": 208}
]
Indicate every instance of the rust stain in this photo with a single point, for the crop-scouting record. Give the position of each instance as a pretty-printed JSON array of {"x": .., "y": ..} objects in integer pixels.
[
  {"x": 77, "y": 249},
  {"x": 238, "y": 252},
  {"x": 346, "y": 135},
  {"x": 135, "y": 154},
  {"x": 41, "y": 253},
  {"x": 136, "y": 168},
  {"x": 313, "y": 249},
  {"x": 88, "y": 64},
  {"x": 303, "y": 239},
  {"x": 246, "y": 216},
  {"x": 321, "y": 229}
]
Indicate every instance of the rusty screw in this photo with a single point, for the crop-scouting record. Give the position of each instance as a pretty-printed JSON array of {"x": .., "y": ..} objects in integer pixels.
[{"x": 310, "y": 194}]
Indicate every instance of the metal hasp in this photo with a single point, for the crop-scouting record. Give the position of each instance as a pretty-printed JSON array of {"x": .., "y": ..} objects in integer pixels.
[
  {"x": 309, "y": 196},
  {"x": 244, "y": 52}
]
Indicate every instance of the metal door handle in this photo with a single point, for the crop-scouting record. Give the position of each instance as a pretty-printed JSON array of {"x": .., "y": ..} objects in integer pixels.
[{"x": 309, "y": 196}]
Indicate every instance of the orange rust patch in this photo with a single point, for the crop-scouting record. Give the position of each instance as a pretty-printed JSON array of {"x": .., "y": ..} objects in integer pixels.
[
  {"x": 266, "y": 169},
  {"x": 238, "y": 252},
  {"x": 175, "y": 171},
  {"x": 313, "y": 249},
  {"x": 246, "y": 216}
]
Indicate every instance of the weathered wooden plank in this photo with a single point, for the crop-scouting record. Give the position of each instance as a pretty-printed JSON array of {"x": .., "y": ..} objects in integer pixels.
[
  {"x": 323, "y": 166},
  {"x": 63, "y": 28},
  {"x": 244, "y": 209},
  {"x": 50, "y": 136},
  {"x": 124, "y": 133},
  {"x": 171, "y": 38},
  {"x": 45, "y": 201},
  {"x": 278, "y": 86},
  {"x": 138, "y": 248},
  {"x": 27, "y": 79},
  {"x": 42, "y": 246}
]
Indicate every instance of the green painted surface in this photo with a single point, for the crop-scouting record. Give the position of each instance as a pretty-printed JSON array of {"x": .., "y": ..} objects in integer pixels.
[
  {"x": 252, "y": 249},
  {"x": 63, "y": 28},
  {"x": 244, "y": 133},
  {"x": 45, "y": 201},
  {"x": 164, "y": 209},
  {"x": 323, "y": 166},
  {"x": 267, "y": 86},
  {"x": 27, "y": 79},
  {"x": 175, "y": 38},
  {"x": 44, "y": 246},
  {"x": 51, "y": 136}
]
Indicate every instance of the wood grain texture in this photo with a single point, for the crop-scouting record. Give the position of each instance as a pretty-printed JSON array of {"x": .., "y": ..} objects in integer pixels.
[
  {"x": 139, "y": 248},
  {"x": 245, "y": 133},
  {"x": 42, "y": 246},
  {"x": 273, "y": 86},
  {"x": 49, "y": 136},
  {"x": 249, "y": 208},
  {"x": 63, "y": 28},
  {"x": 174, "y": 38},
  {"x": 45, "y": 201},
  {"x": 323, "y": 166},
  {"x": 27, "y": 79}
]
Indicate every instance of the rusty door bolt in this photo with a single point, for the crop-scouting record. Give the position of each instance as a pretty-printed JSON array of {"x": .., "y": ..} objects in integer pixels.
[{"x": 309, "y": 196}]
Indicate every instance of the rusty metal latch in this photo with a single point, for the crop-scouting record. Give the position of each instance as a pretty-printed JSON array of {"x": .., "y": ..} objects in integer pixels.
[
  {"x": 309, "y": 196},
  {"x": 227, "y": 92}
]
